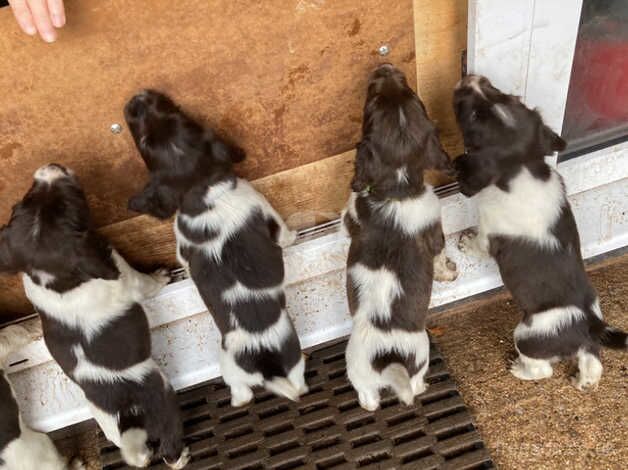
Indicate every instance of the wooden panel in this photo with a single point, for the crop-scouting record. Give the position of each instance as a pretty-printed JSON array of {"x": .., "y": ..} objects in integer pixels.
[
  {"x": 284, "y": 78},
  {"x": 304, "y": 196},
  {"x": 288, "y": 83},
  {"x": 440, "y": 33}
]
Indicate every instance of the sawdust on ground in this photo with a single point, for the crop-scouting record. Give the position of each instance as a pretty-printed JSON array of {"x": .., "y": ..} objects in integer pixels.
[{"x": 541, "y": 424}]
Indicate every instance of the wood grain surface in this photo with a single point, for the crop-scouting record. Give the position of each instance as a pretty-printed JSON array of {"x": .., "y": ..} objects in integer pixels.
[{"x": 285, "y": 79}]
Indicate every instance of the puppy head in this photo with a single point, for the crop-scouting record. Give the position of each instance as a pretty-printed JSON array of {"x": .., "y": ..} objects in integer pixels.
[
  {"x": 50, "y": 230},
  {"x": 500, "y": 133},
  {"x": 177, "y": 151},
  {"x": 399, "y": 141}
]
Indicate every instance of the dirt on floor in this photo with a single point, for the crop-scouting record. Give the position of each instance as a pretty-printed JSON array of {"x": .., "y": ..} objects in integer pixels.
[{"x": 545, "y": 424}]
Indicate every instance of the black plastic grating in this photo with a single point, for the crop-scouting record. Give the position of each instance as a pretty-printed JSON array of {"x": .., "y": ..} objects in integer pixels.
[{"x": 327, "y": 429}]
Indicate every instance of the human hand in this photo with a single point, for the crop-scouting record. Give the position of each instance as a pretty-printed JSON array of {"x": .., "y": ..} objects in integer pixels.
[{"x": 41, "y": 16}]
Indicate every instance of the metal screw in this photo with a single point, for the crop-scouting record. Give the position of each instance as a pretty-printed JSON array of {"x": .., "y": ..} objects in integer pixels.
[
  {"x": 116, "y": 128},
  {"x": 383, "y": 49}
]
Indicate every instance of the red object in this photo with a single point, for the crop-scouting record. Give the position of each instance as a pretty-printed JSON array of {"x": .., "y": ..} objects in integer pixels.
[{"x": 602, "y": 77}]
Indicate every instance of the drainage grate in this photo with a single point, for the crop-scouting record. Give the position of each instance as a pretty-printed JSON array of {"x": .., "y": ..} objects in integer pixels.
[{"x": 327, "y": 429}]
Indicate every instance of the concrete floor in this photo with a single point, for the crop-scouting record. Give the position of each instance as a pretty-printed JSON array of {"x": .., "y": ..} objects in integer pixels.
[
  {"x": 546, "y": 424},
  {"x": 526, "y": 425}
]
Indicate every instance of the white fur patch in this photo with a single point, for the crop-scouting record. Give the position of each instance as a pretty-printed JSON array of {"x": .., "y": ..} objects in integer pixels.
[
  {"x": 272, "y": 337},
  {"x": 595, "y": 308},
  {"x": 49, "y": 173},
  {"x": 238, "y": 380},
  {"x": 412, "y": 215},
  {"x": 528, "y": 210},
  {"x": 94, "y": 304},
  {"x": 549, "y": 323},
  {"x": 377, "y": 289},
  {"x": 32, "y": 450},
  {"x": 231, "y": 208},
  {"x": 528, "y": 368},
  {"x": 133, "y": 447},
  {"x": 240, "y": 292},
  {"x": 365, "y": 342},
  {"x": 589, "y": 370},
  {"x": 87, "y": 371},
  {"x": 108, "y": 423}
]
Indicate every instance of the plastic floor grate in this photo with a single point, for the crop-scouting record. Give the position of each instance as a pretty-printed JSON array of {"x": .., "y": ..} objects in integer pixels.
[{"x": 327, "y": 429}]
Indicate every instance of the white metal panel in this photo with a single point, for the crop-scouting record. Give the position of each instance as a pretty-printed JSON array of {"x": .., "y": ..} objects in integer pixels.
[{"x": 526, "y": 48}]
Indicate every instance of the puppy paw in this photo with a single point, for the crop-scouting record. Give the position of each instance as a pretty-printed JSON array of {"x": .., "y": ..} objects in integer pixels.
[
  {"x": 183, "y": 460},
  {"x": 161, "y": 277},
  {"x": 525, "y": 371},
  {"x": 446, "y": 270},
  {"x": 368, "y": 401},
  {"x": 584, "y": 384},
  {"x": 287, "y": 238},
  {"x": 418, "y": 386},
  {"x": 241, "y": 396},
  {"x": 77, "y": 464},
  {"x": 140, "y": 459}
]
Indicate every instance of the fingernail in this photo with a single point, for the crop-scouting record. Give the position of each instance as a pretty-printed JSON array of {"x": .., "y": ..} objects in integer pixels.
[
  {"x": 49, "y": 36},
  {"x": 30, "y": 30},
  {"x": 58, "y": 21}
]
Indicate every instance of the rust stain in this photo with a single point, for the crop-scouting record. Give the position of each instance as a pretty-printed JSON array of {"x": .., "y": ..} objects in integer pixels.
[
  {"x": 355, "y": 28},
  {"x": 7, "y": 150}
]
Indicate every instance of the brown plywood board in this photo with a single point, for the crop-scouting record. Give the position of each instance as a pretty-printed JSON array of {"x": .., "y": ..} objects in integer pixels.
[
  {"x": 304, "y": 196},
  {"x": 285, "y": 79},
  {"x": 440, "y": 38},
  {"x": 62, "y": 113}
]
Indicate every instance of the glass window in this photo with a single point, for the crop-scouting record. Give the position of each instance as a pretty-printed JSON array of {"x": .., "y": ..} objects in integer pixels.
[{"x": 597, "y": 104}]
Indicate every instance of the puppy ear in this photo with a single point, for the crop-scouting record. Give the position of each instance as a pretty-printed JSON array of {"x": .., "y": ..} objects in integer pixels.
[
  {"x": 475, "y": 172},
  {"x": 435, "y": 156},
  {"x": 225, "y": 152},
  {"x": 550, "y": 141},
  {"x": 94, "y": 258},
  {"x": 156, "y": 199},
  {"x": 362, "y": 176},
  {"x": 7, "y": 261}
]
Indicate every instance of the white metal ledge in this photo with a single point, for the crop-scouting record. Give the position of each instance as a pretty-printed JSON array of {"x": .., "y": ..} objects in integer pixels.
[{"x": 186, "y": 342}]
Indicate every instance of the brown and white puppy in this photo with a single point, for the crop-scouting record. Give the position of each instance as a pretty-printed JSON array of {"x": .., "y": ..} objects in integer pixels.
[
  {"x": 230, "y": 240},
  {"x": 94, "y": 326},
  {"x": 397, "y": 242},
  {"x": 21, "y": 448},
  {"x": 527, "y": 225}
]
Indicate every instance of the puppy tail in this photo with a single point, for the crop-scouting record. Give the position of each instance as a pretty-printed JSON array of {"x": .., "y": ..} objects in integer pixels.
[
  {"x": 283, "y": 387},
  {"x": 609, "y": 336},
  {"x": 396, "y": 376}
]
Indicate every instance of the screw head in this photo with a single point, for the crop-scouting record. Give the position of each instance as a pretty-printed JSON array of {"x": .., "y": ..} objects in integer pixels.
[
  {"x": 384, "y": 49},
  {"x": 116, "y": 128}
]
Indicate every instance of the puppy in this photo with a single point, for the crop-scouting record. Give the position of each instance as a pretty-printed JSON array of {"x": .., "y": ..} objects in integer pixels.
[
  {"x": 229, "y": 239},
  {"x": 21, "y": 448},
  {"x": 88, "y": 299},
  {"x": 397, "y": 242},
  {"x": 527, "y": 225}
]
